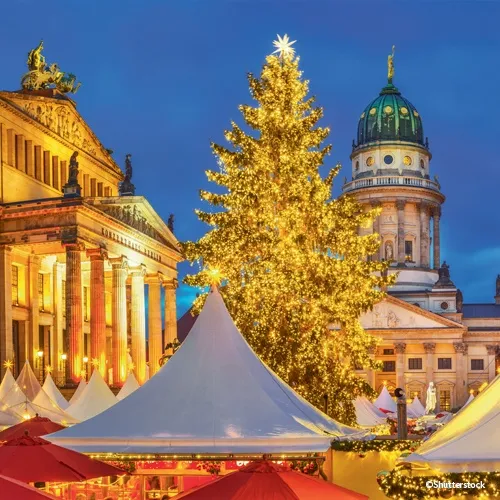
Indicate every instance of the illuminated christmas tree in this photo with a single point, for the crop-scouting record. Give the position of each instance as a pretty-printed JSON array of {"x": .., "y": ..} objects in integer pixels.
[{"x": 290, "y": 257}]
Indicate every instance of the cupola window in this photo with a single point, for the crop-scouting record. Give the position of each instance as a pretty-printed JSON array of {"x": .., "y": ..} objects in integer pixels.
[
  {"x": 407, "y": 160},
  {"x": 370, "y": 161},
  {"x": 357, "y": 165},
  {"x": 422, "y": 164},
  {"x": 409, "y": 251},
  {"x": 388, "y": 159},
  {"x": 404, "y": 111},
  {"x": 373, "y": 111},
  {"x": 387, "y": 110}
]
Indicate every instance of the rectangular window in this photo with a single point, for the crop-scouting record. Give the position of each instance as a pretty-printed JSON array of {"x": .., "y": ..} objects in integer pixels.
[
  {"x": 63, "y": 297},
  {"x": 388, "y": 352},
  {"x": 389, "y": 366},
  {"x": 477, "y": 364},
  {"x": 414, "y": 363},
  {"x": 445, "y": 399},
  {"x": 409, "y": 251},
  {"x": 41, "y": 295},
  {"x": 444, "y": 363},
  {"x": 85, "y": 303},
  {"x": 15, "y": 285}
]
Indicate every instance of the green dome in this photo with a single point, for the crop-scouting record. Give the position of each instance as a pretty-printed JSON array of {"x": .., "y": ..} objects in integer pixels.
[{"x": 390, "y": 117}]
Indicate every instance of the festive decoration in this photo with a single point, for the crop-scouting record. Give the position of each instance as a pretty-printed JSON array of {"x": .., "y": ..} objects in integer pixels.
[
  {"x": 171, "y": 345},
  {"x": 398, "y": 484},
  {"x": 126, "y": 465},
  {"x": 362, "y": 447},
  {"x": 211, "y": 467},
  {"x": 8, "y": 364},
  {"x": 306, "y": 467},
  {"x": 291, "y": 257},
  {"x": 284, "y": 47}
]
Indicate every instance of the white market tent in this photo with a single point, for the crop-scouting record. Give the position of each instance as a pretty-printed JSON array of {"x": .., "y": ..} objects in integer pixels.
[
  {"x": 385, "y": 401},
  {"x": 415, "y": 409},
  {"x": 129, "y": 387},
  {"x": 367, "y": 414},
  {"x": 469, "y": 441},
  {"x": 94, "y": 399},
  {"x": 50, "y": 388},
  {"x": 213, "y": 396},
  {"x": 78, "y": 392},
  {"x": 471, "y": 398},
  {"x": 28, "y": 382}
]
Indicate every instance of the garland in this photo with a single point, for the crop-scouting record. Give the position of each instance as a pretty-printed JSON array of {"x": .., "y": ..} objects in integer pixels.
[
  {"x": 212, "y": 468},
  {"x": 399, "y": 485},
  {"x": 127, "y": 466},
  {"x": 376, "y": 445},
  {"x": 304, "y": 466}
]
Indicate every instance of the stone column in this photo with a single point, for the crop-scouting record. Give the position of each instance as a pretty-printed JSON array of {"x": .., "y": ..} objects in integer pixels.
[
  {"x": 119, "y": 320},
  {"x": 170, "y": 312},
  {"x": 138, "y": 323},
  {"x": 97, "y": 309},
  {"x": 376, "y": 229},
  {"x": 74, "y": 312},
  {"x": 370, "y": 374},
  {"x": 400, "y": 349},
  {"x": 492, "y": 351},
  {"x": 424, "y": 234},
  {"x": 461, "y": 349},
  {"x": 436, "y": 215},
  {"x": 430, "y": 349},
  {"x": 59, "y": 347},
  {"x": 6, "y": 346},
  {"x": 154, "y": 322},
  {"x": 34, "y": 312},
  {"x": 400, "y": 205}
]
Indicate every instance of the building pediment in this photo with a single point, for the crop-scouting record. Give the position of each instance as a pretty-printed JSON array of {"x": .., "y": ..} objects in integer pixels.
[
  {"x": 58, "y": 114},
  {"x": 392, "y": 313}
]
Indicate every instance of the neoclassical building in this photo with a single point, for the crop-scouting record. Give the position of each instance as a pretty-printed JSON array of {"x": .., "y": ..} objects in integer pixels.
[
  {"x": 78, "y": 249},
  {"x": 427, "y": 333}
]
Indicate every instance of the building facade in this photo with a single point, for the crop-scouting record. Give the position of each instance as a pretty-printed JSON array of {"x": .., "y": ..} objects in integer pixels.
[
  {"x": 427, "y": 334},
  {"x": 78, "y": 249}
]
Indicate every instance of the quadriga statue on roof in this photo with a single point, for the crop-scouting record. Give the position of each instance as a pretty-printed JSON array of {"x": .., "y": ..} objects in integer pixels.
[{"x": 42, "y": 76}]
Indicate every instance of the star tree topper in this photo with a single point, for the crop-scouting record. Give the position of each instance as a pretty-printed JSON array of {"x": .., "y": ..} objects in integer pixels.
[{"x": 284, "y": 46}]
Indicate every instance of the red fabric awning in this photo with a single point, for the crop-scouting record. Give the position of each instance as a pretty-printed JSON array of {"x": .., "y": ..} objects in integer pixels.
[
  {"x": 267, "y": 481},
  {"x": 12, "y": 489},
  {"x": 36, "y": 426},
  {"x": 33, "y": 459}
]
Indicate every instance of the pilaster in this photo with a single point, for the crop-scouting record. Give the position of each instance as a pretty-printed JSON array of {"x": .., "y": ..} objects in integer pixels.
[
  {"x": 400, "y": 349},
  {"x": 492, "y": 352},
  {"x": 430, "y": 349},
  {"x": 138, "y": 326},
  {"x": 400, "y": 205},
  {"x": 461, "y": 350},
  {"x": 170, "y": 312},
  {"x": 424, "y": 234},
  {"x": 436, "y": 216},
  {"x": 6, "y": 344},
  {"x": 34, "y": 310},
  {"x": 58, "y": 326},
  {"x": 155, "y": 347}
]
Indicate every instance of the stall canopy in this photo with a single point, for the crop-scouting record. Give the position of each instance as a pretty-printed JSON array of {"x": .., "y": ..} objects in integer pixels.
[
  {"x": 415, "y": 408},
  {"x": 78, "y": 392},
  {"x": 28, "y": 382},
  {"x": 470, "y": 440},
  {"x": 94, "y": 399},
  {"x": 213, "y": 396},
  {"x": 385, "y": 402},
  {"x": 129, "y": 387},
  {"x": 54, "y": 393},
  {"x": 367, "y": 414},
  {"x": 471, "y": 398}
]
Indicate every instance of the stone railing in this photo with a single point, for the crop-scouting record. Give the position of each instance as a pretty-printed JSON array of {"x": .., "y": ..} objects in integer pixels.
[{"x": 389, "y": 180}]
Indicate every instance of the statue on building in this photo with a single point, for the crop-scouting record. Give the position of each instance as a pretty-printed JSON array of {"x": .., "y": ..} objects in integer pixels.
[
  {"x": 170, "y": 222},
  {"x": 460, "y": 301},
  {"x": 43, "y": 76},
  {"x": 498, "y": 286},
  {"x": 126, "y": 187},
  {"x": 444, "y": 280},
  {"x": 72, "y": 188},
  {"x": 430, "y": 403},
  {"x": 389, "y": 252},
  {"x": 390, "y": 65}
]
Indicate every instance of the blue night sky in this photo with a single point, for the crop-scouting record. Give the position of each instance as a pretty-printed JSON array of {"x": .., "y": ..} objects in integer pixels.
[{"x": 161, "y": 79}]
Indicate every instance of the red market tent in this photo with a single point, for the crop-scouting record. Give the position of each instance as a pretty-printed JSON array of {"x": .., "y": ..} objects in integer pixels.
[
  {"x": 268, "y": 481},
  {"x": 10, "y": 489},
  {"x": 35, "y": 427},
  {"x": 33, "y": 459}
]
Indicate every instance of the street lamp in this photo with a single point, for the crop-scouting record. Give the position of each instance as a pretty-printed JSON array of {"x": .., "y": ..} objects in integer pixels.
[
  {"x": 41, "y": 369},
  {"x": 62, "y": 367},
  {"x": 86, "y": 367}
]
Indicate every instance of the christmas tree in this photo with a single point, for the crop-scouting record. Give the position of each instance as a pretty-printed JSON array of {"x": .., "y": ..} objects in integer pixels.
[{"x": 291, "y": 258}]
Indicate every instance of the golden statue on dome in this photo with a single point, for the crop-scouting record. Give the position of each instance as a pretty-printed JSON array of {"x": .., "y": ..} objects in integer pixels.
[{"x": 390, "y": 65}]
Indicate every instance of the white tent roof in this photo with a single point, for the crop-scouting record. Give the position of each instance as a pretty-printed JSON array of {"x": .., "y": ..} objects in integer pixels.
[
  {"x": 385, "y": 401},
  {"x": 415, "y": 409},
  {"x": 129, "y": 387},
  {"x": 28, "y": 382},
  {"x": 367, "y": 414},
  {"x": 78, "y": 392},
  {"x": 54, "y": 393},
  {"x": 469, "y": 442},
  {"x": 213, "y": 396},
  {"x": 8, "y": 382},
  {"x": 94, "y": 399},
  {"x": 471, "y": 398}
]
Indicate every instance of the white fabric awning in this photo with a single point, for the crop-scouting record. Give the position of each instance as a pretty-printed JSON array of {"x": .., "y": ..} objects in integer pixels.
[
  {"x": 129, "y": 387},
  {"x": 213, "y": 396},
  {"x": 367, "y": 414},
  {"x": 385, "y": 401}
]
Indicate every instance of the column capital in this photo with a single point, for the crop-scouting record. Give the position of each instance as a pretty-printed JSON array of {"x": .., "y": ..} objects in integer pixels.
[
  {"x": 461, "y": 347},
  {"x": 425, "y": 206},
  {"x": 429, "y": 347},
  {"x": 400, "y": 348},
  {"x": 119, "y": 262},
  {"x": 153, "y": 278},
  {"x": 97, "y": 253},
  {"x": 372, "y": 349},
  {"x": 436, "y": 211},
  {"x": 375, "y": 203},
  {"x": 400, "y": 204},
  {"x": 75, "y": 246},
  {"x": 170, "y": 284},
  {"x": 138, "y": 271},
  {"x": 5, "y": 248},
  {"x": 491, "y": 349}
]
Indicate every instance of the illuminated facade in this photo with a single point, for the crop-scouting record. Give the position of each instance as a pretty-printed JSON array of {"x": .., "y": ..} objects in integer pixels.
[
  {"x": 77, "y": 248},
  {"x": 427, "y": 333}
]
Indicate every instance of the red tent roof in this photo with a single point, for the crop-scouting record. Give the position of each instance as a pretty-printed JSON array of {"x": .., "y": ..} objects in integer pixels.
[
  {"x": 11, "y": 488},
  {"x": 36, "y": 426}
]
